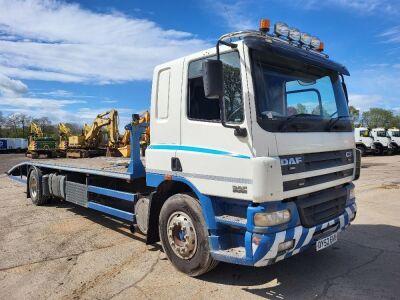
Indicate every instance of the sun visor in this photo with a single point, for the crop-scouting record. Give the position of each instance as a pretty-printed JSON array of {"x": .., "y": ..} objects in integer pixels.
[{"x": 289, "y": 51}]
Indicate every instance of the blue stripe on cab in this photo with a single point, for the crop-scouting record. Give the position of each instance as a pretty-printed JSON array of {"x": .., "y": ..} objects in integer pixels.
[{"x": 197, "y": 149}]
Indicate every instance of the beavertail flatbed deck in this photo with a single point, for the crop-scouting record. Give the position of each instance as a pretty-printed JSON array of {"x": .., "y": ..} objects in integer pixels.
[{"x": 116, "y": 167}]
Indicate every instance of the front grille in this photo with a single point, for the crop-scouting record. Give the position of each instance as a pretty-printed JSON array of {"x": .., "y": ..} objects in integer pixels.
[
  {"x": 304, "y": 182},
  {"x": 291, "y": 164},
  {"x": 318, "y": 207}
]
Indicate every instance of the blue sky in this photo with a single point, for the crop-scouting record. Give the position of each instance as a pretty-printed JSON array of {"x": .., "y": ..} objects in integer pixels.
[{"x": 69, "y": 60}]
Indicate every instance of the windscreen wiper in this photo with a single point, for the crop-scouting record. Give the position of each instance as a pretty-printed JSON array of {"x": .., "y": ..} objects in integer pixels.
[
  {"x": 333, "y": 121},
  {"x": 293, "y": 117}
]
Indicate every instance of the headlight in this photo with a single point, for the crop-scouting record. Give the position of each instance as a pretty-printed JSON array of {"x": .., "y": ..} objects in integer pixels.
[
  {"x": 294, "y": 34},
  {"x": 352, "y": 193},
  {"x": 281, "y": 29},
  {"x": 305, "y": 38},
  {"x": 272, "y": 218}
]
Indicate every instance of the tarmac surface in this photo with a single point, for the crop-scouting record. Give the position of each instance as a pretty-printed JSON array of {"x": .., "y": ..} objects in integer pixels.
[{"x": 60, "y": 251}]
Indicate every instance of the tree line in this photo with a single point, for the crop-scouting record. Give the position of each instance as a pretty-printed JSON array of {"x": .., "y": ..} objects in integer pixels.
[
  {"x": 375, "y": 117},
  {"x": 17, "y": 126}
]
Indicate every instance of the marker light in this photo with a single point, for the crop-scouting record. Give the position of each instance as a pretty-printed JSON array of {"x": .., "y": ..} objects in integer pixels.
[
  {"x": 321, "y": 47},
  {"x": 281, "y": 29},
  {"x": 264, "y": 25},
  {"x": 305, "y": 38},
  {"x": 272, "y": 218},
  {"x": 315, "y": 42},
  {"x": 294, "y": 34}
]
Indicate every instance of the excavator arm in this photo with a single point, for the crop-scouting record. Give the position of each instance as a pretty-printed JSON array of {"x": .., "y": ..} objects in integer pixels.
[
  {"x": 109, "y": 119},
  {"x": 35, "y": 130},
  {"x": 64, "y": 130}
]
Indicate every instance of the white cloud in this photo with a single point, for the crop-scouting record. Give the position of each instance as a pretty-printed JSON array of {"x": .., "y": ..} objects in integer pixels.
[
  {"x": 51, "y": 40},
  {"x": 392, "y": 35},
  {"x": 365, "y": 102},
  {"x": 235, "y": 14},
  {"x": 389, "y": 7},
  {"x": 11, "y": 87},
  {"x": 109, "y": 101}
]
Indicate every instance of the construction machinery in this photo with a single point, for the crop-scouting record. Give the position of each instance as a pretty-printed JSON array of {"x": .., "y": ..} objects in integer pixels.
[
  {"x": 64, "y": 132},
  {"x": 124, "y": 146},
  {"x": 89, "y": 143},
  {"x": 40, "y": 144}
]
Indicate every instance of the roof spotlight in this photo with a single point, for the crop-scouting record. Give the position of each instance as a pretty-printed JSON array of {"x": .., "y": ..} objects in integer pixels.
[
  {"x": 305, "y": 38},
  {"x": 281, "y": 29},
  {"x": 294, "y": 34},
  {"x": 315, "y": 42}
]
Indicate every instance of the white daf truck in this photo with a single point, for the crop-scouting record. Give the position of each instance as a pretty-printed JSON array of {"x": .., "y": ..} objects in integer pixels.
[
  {"x": 394, "y": 136},
  {"x": 251, "y": 160},
  {"x": 381, "y": 141},
  {"x": 364, "y": 142}
]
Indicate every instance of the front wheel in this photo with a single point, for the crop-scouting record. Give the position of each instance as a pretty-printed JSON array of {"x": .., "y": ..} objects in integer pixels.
[
  {"x": 184, "y": 235},
  {"x": 378, "y": 150}
]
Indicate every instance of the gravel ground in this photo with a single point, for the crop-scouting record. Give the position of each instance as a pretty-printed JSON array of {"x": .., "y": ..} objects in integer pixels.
[{"x": 64, "y": 252}]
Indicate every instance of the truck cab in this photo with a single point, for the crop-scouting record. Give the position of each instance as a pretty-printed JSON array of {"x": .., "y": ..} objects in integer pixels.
[
  {"x": 394, "y": 136},
  {"x": 381, "y": 141},
  {"x": 364, "y": 142},
  {"x": 271, "y": 158}
]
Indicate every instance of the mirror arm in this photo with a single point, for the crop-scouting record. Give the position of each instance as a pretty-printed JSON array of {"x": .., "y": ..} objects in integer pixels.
[
  {"x": 239, "y": 131},
  {"x": 232, "y": 45}
]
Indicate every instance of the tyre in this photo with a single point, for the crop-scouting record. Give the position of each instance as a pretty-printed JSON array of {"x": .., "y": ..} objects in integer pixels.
[
  {"x": 362, "y": 149},
  {"x": 378, "y": 150},
  {"x": 184, "y": 235},
  {"x": 35, "y": 187}
]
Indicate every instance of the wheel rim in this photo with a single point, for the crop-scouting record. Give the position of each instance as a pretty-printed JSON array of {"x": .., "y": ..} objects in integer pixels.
[
  {"x": 33, "y": 186},
  {"x": 182, "y": 235}
]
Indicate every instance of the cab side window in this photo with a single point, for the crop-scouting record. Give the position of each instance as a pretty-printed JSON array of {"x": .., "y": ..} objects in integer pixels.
[{"x": 204, "y": 109}]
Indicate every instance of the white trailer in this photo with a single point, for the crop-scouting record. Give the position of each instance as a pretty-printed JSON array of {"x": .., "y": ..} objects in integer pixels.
[{"x": 13, "y": 144}]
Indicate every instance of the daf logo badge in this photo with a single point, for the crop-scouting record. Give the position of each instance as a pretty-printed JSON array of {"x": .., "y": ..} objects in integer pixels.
[
  {"x": 291, "y": 161},
  {"x": 348, "y": 154}
]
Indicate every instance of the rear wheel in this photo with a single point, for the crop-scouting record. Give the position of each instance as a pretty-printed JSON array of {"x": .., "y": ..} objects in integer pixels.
[
  {"x": 35, "y": 187},
  {"x": 184, "y": 235}
]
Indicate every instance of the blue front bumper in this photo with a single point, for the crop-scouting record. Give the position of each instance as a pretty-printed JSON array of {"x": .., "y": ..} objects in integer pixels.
[{"x": 261, "y": 249}]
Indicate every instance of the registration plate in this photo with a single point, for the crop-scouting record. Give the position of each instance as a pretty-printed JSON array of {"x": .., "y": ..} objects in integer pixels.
[{"x": 326, "y": 242}]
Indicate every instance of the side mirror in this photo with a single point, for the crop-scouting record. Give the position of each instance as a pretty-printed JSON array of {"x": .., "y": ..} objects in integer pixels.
[{"x": 213, "y": 79}]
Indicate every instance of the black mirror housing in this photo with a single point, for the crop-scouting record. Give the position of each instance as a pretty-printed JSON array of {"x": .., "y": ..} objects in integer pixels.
[{"x": 213, "y": 79}]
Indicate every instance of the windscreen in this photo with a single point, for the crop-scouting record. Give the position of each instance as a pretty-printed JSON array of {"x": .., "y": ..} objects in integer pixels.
[
  {"x": 381, "y": 133},
  {"x": 294, "y": 96},
  {"x": 396, "y": 133},
  {"x": 364, "y": 133}
]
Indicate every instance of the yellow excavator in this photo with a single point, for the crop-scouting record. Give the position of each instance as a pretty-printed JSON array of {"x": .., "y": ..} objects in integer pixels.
[
  {"x": 89, "y": 143},
  {"x": 124, "y": 147},
  {"x": 39, "y": 144},
  {"x": 65, "y": 132}
]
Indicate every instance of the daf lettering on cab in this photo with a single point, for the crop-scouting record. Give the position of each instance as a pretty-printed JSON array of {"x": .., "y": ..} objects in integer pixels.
[{"x": 251, "y": 157}]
